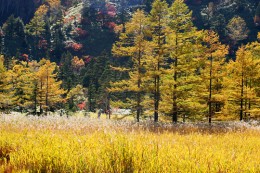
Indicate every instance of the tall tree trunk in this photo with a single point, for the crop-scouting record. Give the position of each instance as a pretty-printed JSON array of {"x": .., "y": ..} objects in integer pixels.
[
  {"x": 47, "y": 93},
  {"x": 138, "y": 112},
  {"x": 245, "y": 112},
  {"x": 241, "y": 99},
  {"x": 175, "y": 108},
  {"x": 249, "y": 100},
  {"x": 210, "y": 90},
  {"x": 156, "y": 101},
  {"x": 35, "y": 99},
  {"x": 41, "y": 98},
  {"x": 157, "y": 78}
]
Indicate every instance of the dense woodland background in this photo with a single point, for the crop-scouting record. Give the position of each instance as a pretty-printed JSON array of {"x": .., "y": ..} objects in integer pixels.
[{"x": 60, "y": 54}]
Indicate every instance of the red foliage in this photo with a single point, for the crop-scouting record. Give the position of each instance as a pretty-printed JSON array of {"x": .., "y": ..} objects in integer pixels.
[
  {"x": 82, "y": 105},
  {"x": 110, "y": 25},
  {"x": 111, "y": 10},
  {"x": 87, "y": 59},
  {"x": 77, "y": 46},
  {"x": 25, "y": 57},
  {"x": 73, "y": 45},
  {"x": 81, "y": 32}
]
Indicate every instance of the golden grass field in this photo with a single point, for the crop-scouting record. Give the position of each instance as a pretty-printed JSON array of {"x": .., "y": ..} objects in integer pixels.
[{"x": 78, "y": 144}]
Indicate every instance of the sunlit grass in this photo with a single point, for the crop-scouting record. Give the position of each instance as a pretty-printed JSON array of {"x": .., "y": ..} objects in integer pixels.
[{"x": 77, "y": 144}]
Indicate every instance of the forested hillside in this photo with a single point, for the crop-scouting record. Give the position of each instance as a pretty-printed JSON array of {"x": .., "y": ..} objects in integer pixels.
[{"x": 185, "y": 59}]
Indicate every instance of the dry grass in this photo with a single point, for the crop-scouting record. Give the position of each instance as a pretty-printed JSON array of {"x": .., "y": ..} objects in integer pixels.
[{"x": 77, "y": 144}]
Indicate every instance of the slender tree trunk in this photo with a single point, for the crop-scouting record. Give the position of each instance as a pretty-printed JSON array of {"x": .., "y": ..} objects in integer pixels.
[
  {"x": 245, "y": 112},
  {"x": 210, "y": 90},
  {"x": 156, "y": 101},
  {"x": 108, "y": 106},
  {"x": 47, "y": 93},
  {"x": 241, "y": 99},
  {"x": 175, "y": 108},
  {"x": 35, "y": 99},
  {"x": 249, "y": 100},
  {"x": 157, "y": 78},
  {"x": 138, "y": 112},
  {"x": 41, "y": 98}
]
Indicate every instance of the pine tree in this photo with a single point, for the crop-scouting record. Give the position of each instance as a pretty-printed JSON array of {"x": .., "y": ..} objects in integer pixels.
[
  {"x": 133, "y": 44},
  {"x": 36, "y": 29},
  {"x": 96, "y": 76},
  {"x": 13, "y": 39},
  {"x": 66, "y": 73}
]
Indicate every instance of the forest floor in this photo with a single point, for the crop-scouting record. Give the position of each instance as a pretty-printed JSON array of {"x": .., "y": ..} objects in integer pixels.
[{"x": 87, "y": 144}]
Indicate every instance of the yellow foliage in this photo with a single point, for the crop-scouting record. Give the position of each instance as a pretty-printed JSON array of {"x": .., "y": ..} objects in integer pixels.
[
  {"x": 53, "y": 3},
  {"x": 42, "y": 10}
]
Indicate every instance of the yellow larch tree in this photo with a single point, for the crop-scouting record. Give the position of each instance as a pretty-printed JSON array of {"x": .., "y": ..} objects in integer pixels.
[
  {"x": 49, "y": 89},
  {"x": 212, "y": 72},
  {"x": 155, "y": 62},
  {"x": 240, "y": 90},
  {"x": 133, "y": 44},
  {"x": 179, "y": 79}
]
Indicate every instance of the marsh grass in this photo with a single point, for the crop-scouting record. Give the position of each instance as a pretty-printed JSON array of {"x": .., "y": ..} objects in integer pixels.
[{"x": 78, "y": 144}]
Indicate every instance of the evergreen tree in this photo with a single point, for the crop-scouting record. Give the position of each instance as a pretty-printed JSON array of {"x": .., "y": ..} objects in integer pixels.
[
  {"x": 36, "y": 30},
  {"x": 14, "y": 39},
  {"x": 99, "y": 25},
  {"x": 96, "y": 77},
  {"x": 66, "y": 73}
]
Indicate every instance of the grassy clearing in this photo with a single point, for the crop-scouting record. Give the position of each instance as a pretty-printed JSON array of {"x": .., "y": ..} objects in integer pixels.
[{"x": 77, "y": 144}]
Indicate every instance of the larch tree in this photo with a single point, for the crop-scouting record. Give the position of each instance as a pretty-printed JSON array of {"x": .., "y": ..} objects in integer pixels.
[
  {"x": 155, "y": 62},
  {"x": 132, "y": 43},
  {"x": 49, "y": 89},
  {"x": 54, "y": 3},
  {"x": 179, "y": 80},
  {"x": 253, "y": 83},
  {"x": 4, "y": 97},
  {"x": 238, "y": 82},
  {"x": 212, "y": 71},
  {"x": 19, "y": 85}
]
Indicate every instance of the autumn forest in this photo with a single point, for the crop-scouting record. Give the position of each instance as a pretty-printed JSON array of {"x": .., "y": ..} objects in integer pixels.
[
  {"x": 124, "y": 86},
  {"x": 149, "y": 57}
]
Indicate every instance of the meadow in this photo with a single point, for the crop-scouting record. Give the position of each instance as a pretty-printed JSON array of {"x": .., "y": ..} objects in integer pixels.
[{"x": 80, "y": 144}]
